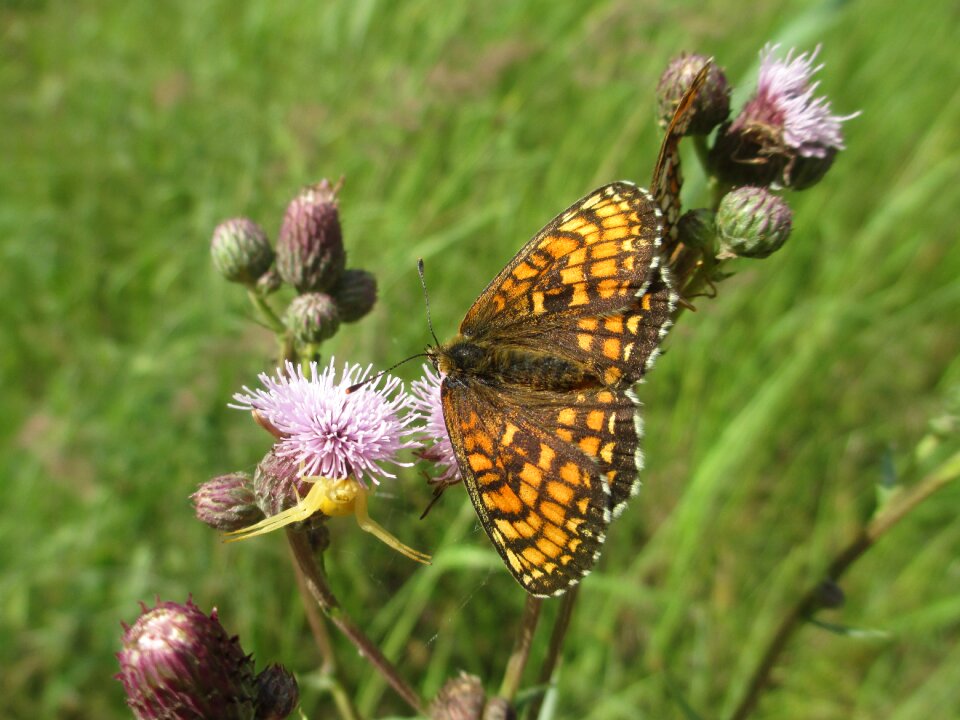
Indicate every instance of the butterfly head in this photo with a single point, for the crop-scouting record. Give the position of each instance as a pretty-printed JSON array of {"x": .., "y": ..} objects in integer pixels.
[{"x": 459, "y": 356}]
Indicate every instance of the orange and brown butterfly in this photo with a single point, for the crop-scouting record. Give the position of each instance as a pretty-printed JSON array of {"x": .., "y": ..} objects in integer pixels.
[{"x": 537, "y": 387}]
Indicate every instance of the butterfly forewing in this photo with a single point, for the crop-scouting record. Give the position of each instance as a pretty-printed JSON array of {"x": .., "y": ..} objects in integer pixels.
[{"x": 591, "y": 259}]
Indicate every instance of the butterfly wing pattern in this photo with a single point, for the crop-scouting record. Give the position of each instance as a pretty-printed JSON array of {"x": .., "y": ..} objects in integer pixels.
[{"x": 537, "y": 387}]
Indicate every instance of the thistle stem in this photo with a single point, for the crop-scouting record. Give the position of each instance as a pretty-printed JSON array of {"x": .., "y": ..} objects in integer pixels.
[
  {"x": 559, "y": 634},
  {"x": 887, "y": 517},
  {"x": 266, "y": 312},
  {"x": 316, "y": 585},
  {"x": 521, "y": 649},
  {"x": 315, "y": 620}
]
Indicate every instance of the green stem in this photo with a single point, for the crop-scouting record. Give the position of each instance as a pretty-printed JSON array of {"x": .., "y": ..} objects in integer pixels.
[
  {"x": 886, "y": 518},
  {"x": 316, "y": 584},
  {"x": 559, "y": 634},
  {"x": 315, "y": 620},
  {"x": 521, "y": 649},
  {"x": 266, "y": 312}
]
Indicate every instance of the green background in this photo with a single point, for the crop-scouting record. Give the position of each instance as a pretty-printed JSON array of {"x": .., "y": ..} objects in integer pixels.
[{"x": 131, "y": 128}]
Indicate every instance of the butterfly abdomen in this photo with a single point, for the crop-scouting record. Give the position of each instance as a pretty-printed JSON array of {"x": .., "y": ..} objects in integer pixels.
[{"x": 523, "y": 368}]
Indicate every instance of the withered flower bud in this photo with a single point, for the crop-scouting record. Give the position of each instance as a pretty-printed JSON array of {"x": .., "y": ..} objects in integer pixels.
[{"x": 277, "y": 693}]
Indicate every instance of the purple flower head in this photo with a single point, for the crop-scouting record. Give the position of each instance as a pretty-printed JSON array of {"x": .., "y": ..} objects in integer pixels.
[
  {"x": 177, "y": 662},
  {"x": 785, "y": 93},
  {"x": 785, "y": 135},
  {"x": 328, "y": 432},
  {"x": 426, "y": 401}
]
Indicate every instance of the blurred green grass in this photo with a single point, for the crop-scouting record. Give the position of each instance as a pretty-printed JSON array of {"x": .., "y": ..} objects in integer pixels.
[{"x": 131, "y": 131}]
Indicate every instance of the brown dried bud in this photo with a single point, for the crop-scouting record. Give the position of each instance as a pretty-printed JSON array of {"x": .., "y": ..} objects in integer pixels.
[{"x": 277, "y": 693}]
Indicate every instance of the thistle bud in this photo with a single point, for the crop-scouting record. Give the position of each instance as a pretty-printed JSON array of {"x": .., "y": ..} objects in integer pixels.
[
  {"x": 240, "y": 250},
  {"x": 312, "y": 318},
  {"x": 178, "y": 663},
  {"x": 310, "y": 254},
  {"x": 752, "y": 222},
  {"x": 277, "y": 484},
  {"x": 278, "y": 487},
  {"x": 227, "y": 502},
  {"x": 711, "y": 105},
  {"x": 460, "y": 698},
  {"x": 277, "y": 693},
  {"x": 698, "y": 229},
  {"x": 355, "y": 294}
]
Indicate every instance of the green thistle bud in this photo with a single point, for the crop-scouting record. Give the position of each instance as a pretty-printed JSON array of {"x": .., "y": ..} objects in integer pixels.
[
  {"x": 712, "y": 104},
  {"x": 277, "y": 693},
  {"x": 240, "y": 250},
  {"x": 178, "y": 663},
  {"x": 355, "y": 294},
  {"x": 698, "y": 229},
  {"x": 310, "y": 254},
  {"x": 227, "y": 502},
  {"x": 312, "y": 318},
  {"x": 752, "y": 222}
]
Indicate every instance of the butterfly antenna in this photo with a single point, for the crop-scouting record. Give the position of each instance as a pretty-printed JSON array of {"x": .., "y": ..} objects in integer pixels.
[
  {"x": 426, "y": 300},
  {"x": 374, "y": 378}
]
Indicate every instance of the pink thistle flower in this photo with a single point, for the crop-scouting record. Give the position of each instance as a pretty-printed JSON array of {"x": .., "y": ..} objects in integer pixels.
[
  {"x": 328, "y": 432},
  {"x": 786, "y": 93},
  {"x": 785, "y": 135},
  {"x": 426, "y": 401}
]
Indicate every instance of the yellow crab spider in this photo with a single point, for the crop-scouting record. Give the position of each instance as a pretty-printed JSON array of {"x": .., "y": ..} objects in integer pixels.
[{"x": 334, "y": 498}]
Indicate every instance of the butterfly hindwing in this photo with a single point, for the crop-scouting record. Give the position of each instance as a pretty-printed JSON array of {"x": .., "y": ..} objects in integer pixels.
[{"x": 544, "y": 506}]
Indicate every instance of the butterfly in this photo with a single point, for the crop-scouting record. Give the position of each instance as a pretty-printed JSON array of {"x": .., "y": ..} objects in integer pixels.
[{"x": 537, "y": 389}]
